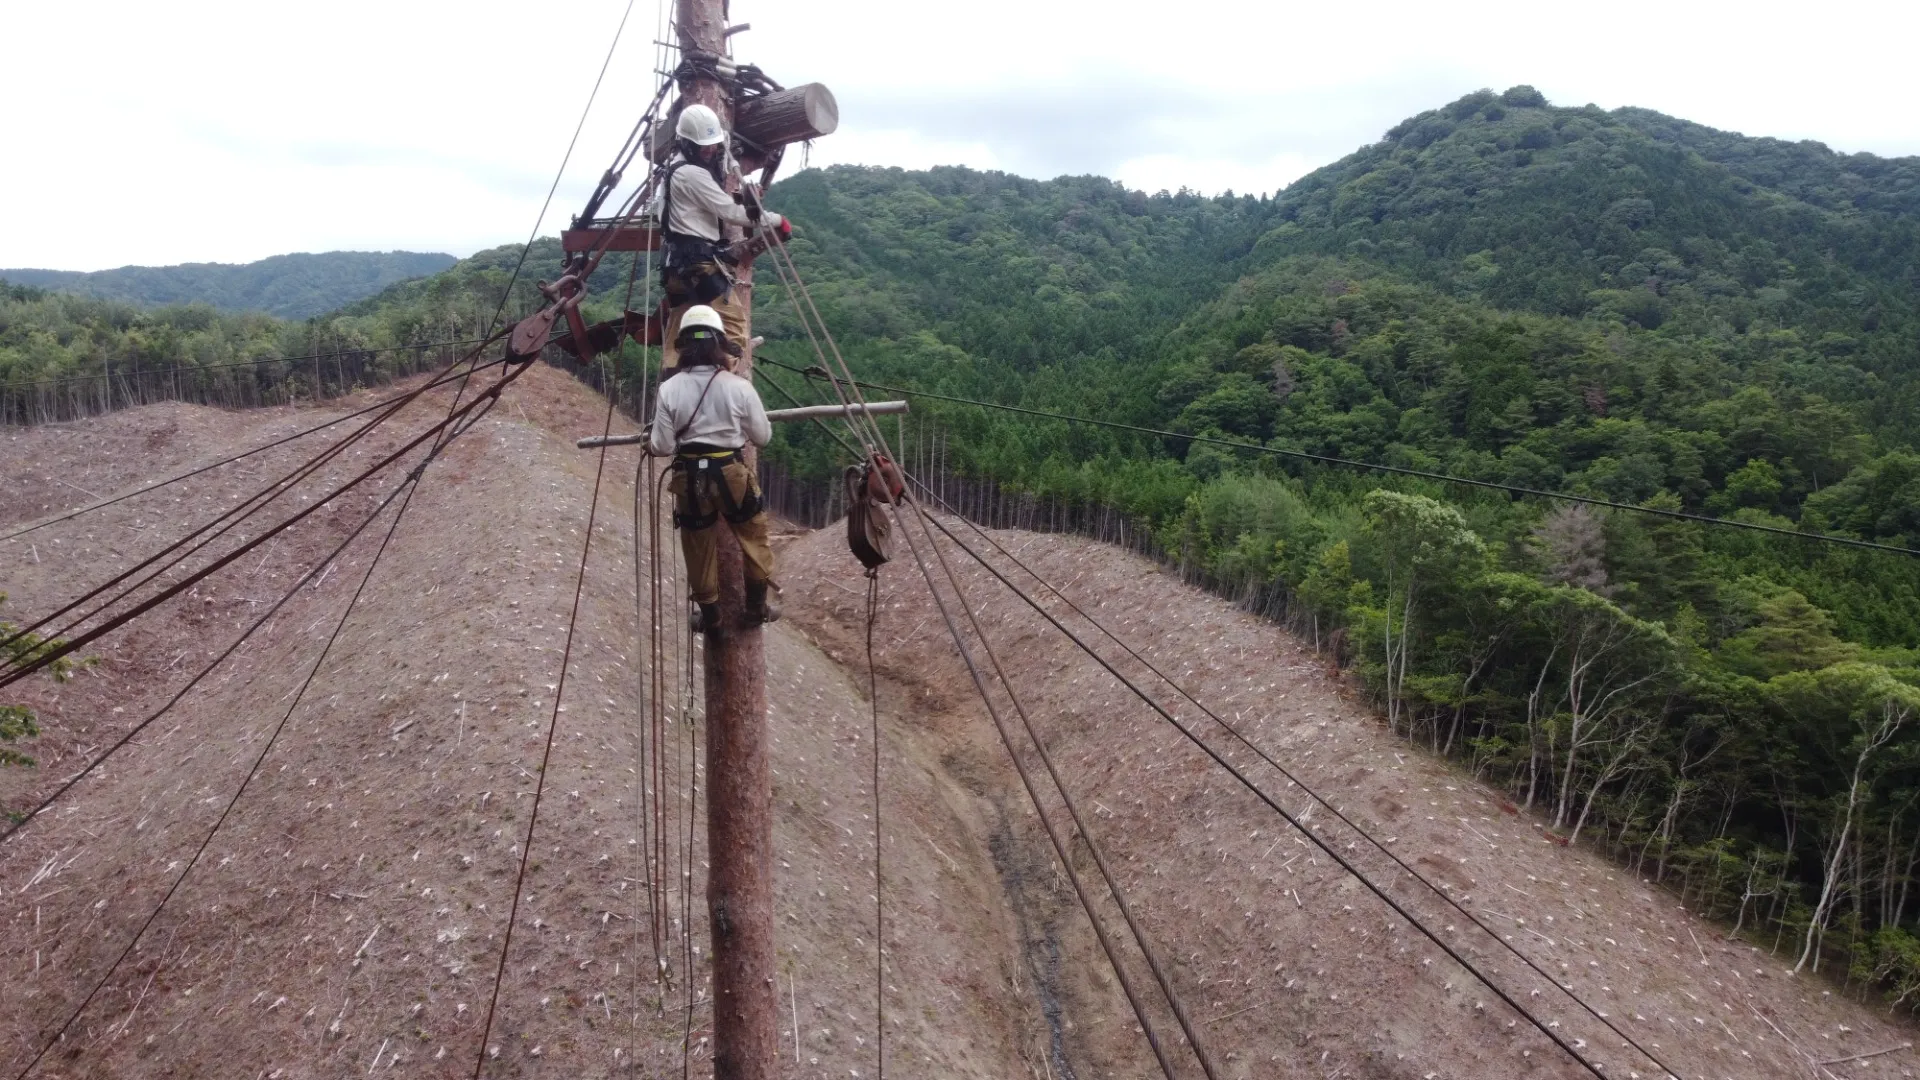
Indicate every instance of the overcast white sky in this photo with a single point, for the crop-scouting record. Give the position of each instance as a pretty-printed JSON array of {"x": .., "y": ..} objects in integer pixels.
[{"x": 229, "y": 130}]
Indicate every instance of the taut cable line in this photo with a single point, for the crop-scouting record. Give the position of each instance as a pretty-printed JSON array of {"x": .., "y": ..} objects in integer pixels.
[
  {"x": 196, "y": 541},
  {"x": 1154, "y": 964},
  {"x": 796, "y": 287},
  {"x": 226, "y": 521},
  {"x": 441, "y": 380},
  {"x": 1033, "y": 796},
  {"x": 1295, "y": 780},
  {"x": 566, "y": 655},
  {"x": 67, "y": 785},
  {"x": 71, "y": 781},
  {"x": 875, "y": 439},
  {"x": 1290, "y": 818},
  {"x": 44, "y": 657},
  {"x": 409, "y": 485}
]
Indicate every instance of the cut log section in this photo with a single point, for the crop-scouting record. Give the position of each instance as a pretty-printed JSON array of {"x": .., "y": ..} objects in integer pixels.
[
  {"x": 787, "y": 116},
  {"x": 766, "y": 123}
]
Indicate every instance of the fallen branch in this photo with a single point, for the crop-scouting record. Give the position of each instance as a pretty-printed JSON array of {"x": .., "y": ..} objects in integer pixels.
[
  {"x": 1821, "y": 1066},
  {"x": 1868, "y": 1054}
]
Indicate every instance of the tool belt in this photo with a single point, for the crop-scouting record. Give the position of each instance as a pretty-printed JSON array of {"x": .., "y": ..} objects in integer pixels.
[
  {"x": 702, "y": 482},
  {"x": 695, "y": 271}
]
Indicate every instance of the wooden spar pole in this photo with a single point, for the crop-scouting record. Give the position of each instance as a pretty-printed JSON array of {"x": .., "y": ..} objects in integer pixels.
[{"x": 739, "y": 775}]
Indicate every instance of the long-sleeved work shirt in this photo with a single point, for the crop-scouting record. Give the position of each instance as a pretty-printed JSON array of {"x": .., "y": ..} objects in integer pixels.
[
  {"x": 728, "y": 416},
  {"x": 700, "y": 205}
]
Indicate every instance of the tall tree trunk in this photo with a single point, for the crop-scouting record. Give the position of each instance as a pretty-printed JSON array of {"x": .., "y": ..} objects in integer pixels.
[{"x": 1890, "y": 722}]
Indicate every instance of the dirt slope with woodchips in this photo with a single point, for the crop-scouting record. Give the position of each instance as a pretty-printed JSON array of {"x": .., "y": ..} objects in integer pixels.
[{"x": 347, "y": 918}]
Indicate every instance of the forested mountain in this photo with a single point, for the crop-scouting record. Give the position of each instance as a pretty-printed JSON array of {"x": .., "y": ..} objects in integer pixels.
[
  {"x": 290, "y": 286},
  {"x": 1616, "y": 304}
]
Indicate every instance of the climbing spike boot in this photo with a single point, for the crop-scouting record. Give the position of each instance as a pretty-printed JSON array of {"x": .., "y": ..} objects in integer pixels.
[
  {"x": 761, "y": 607},
  {"x": 705, "y": 618}
]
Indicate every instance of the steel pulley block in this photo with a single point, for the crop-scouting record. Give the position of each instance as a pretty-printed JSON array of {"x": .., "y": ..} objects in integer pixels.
[{"x": 530, "y": 335}]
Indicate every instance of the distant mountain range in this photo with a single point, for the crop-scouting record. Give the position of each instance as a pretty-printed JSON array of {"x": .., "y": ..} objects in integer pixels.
[{"x": 290, "y": 286}]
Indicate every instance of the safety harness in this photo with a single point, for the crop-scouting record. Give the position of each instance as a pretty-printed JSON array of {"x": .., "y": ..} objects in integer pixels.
[
  {"x": 700, "y": 267},
  {"x": 702, "y": 468}
]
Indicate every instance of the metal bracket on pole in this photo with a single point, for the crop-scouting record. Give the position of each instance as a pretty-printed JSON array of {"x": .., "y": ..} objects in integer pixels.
[{"x": 806, "y": 412}]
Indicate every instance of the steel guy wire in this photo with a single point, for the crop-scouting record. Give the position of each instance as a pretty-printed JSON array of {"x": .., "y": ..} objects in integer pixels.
[
  {"x": 194, "y": 542},
  {"x": 553, "y": 724},
  {"x": 1273, "y": 804},
  {"x": 874, "y": 427},
  {"x": 409, "y": 486},
  {"x": 45, "y": 657},
  {"x": 246, "y": 508},
  {"x": 230, "y": 459},
  {"x": 128, "y": 737},
  {"x": 1296, "y": 781},
  {"x": 1033, "y": 797}
]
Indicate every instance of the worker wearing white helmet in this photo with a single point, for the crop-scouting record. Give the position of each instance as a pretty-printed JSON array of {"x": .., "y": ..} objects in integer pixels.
[
  {"x": 705, "y": 416},
  {"x": 694, "y": 210}
]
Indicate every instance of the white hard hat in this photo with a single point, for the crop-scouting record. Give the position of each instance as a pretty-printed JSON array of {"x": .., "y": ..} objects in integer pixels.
[
  {"x": 700, "y": 315},
  {"x": 699, "y": 126}
]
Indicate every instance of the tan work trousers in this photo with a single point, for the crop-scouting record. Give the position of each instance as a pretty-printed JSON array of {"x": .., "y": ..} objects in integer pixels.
[
  {"x": 732, "y": 317},
  {"x": 702, "y": 546}
]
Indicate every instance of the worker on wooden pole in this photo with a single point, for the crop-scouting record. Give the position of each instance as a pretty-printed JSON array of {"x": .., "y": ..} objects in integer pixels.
[
  {"x": 704, "y": 417},
  {"x": 693, "y": 208}
]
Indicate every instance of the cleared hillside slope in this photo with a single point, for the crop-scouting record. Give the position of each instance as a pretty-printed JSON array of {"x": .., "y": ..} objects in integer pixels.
[
  {"x": 1291, "y": 966},
  {"x": 335, "y": 925},
  {"x": 356, "y": 897}
]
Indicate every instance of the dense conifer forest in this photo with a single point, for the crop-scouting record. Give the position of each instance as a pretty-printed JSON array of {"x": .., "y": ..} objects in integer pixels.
[{"x": 1615, "y": 304}]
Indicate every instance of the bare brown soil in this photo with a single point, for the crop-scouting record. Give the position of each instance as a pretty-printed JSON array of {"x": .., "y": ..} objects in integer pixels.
[
  {"x": 1290, "y": 967},
  {"x": 347, "y": 919}
]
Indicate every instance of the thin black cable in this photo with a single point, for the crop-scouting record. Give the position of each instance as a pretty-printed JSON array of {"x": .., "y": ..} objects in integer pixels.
[
  {"x": 925, "y": 517},
  {"x": 646, "y": 676},
  {"x": 1033, "y": 797},
  {"x": 1153, "y": 962},
  {"x": 877, "y": 443},
  {"x": 232, "y": 518},
  {"x": 1160, "y": 976},
  {"x": 1324, "y": 459},
  {"x": 1155, "y": 705},
  {"x": 409, "y": 486},
  {"x": 1290, "y": 777},
  {"x": 282, "y": 441},
  {"x": 553, "y": 725},
  {"x": 172, "y": 371},
  {"x": 526, "y": 248},
  {"x": 1256, "y": 790},
  {"x": 44, "y": 657},
  {"x": 71, "y": 781}
]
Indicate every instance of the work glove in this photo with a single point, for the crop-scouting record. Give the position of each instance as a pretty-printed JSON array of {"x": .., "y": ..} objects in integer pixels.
[{"x": 785, "y": 229}]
